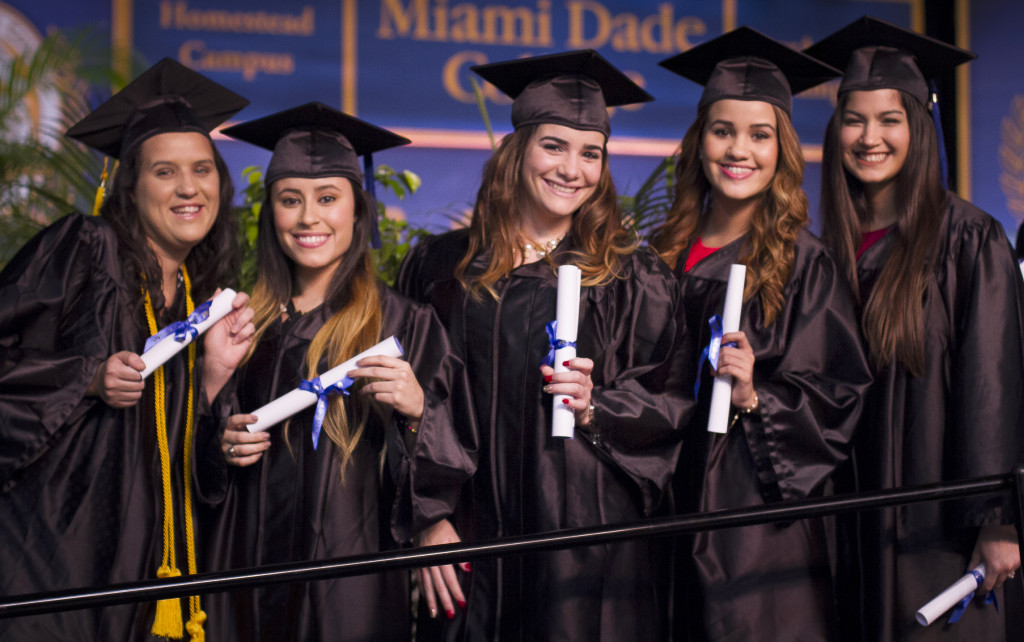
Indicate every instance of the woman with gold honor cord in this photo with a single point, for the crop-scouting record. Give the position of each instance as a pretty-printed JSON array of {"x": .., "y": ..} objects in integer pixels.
[
  {"x": 95, "y": 462},
  {"x": 942, "y": 309},
  {"x": 385, "y": 459},
  {"x": 798, "y": 367},
  {"x": 547, "y": 200}
]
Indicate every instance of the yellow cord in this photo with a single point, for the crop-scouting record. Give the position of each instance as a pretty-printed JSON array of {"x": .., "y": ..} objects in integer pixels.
[{"x": 167, "y": 622}]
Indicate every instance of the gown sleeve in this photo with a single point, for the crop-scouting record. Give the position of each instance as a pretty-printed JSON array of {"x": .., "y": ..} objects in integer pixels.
[
  {"x": 57, "y": 325},
  {"x": 987, "y": 395},
  {"x": 811, "y": 391},
  {"x": 637, "y": 412},
  {"x": 434, "y": 463}
]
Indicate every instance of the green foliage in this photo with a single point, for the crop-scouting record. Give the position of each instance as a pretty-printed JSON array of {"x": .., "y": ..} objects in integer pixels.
[
  {"x": 44, "y": 175},
  {"x": 646, "y": 209},
  {"x": 397, "y": 236}
]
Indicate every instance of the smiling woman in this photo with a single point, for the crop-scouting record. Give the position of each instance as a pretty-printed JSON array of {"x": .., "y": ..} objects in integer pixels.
[
  {"x": 89, "y": 497},
  {"x": 546, "y": 200},
  {"x": 798, "y": 368}
]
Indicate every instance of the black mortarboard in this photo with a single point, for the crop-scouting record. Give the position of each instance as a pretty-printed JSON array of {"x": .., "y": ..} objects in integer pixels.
[
  {"x": 745, "y": 64},
  {"x": 317, "y": 141},
  {"x": 167, "y": 97},
  {"x": 573, "y": 88},
  {"x": 879, "y": 55}
]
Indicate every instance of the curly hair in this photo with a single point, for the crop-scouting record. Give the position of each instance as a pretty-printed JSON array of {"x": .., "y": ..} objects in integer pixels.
[
  {"x": 212, "y": 263},
  {"x": 596, "y": 225},
  {"x": 353, "y": 297},
  {"x": 770, "y": 245},
  {"x": 892, "y": 319}
]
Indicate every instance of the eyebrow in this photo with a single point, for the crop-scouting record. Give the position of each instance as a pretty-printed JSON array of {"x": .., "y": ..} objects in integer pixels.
[
  {"x": 565, "y": 143},
  {"x": 729, "y": 123},
  {"x": 888, "y": 112}
]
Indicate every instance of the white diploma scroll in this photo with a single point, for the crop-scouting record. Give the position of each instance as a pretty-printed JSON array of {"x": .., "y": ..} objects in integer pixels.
[
  {"x": 721, "y": 390},
  {"x": 950, "y": 597},
  {"x": 168, "y": 346},
  {"x": 567, "y": 313},
  {"x": 297, "y": 400}
]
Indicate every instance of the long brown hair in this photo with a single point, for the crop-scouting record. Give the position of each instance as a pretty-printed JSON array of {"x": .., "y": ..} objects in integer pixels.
[
  {"x": 353, "y": 297},
  {"x": 212, "y": 263},
  {"x": 892, "y": 319},
  {"x": 596, "y": 226},
  {"x": 782, "y": 212}
]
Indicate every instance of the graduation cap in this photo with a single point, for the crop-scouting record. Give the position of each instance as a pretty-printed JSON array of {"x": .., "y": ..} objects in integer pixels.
[
  {"x": 317, "y": 141},
  {"x": 745, "y": 64},
  {"x": 167, "y": 97},
  {"x": 880, "y": 55},
  {"x": 573, "y": 88}
]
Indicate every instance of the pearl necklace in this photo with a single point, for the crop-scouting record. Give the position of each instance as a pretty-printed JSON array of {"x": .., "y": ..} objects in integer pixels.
[{"x": 544, "y": 248}]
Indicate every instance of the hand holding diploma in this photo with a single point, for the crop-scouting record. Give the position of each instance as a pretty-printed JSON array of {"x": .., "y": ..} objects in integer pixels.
[
  {"x": 960, "y": 592},
  {"x": 315, "y": 391},
  {"x": 172, "y": 339},
  {"x": 562, "y": 338},
  {"x": 721, "y": 392}
]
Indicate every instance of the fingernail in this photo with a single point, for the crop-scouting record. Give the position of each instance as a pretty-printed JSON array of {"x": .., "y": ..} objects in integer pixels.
[
  {"x": 433, "y": 613},
  {"x": 565, "y": 400},
  {"x": 546, "y": 388},
  {"x": 450, "y": 614},
  {"x": 462, "y": 604},
  {"x": 469, "y": 567},
  {"x": 565, "y": 363},
  {"x": 547, "y": 378}
]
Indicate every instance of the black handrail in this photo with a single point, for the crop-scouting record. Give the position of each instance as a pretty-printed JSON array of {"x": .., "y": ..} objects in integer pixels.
[{"x": 66, "y": 600}]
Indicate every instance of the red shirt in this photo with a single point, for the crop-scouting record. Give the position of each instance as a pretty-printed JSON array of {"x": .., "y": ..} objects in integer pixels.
[
  {"x": 870, "y": 238},
  {"x": 698, "y": 252}
]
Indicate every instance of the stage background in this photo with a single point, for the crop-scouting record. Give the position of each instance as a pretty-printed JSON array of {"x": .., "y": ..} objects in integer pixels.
[{"x": 404, "y": 65}]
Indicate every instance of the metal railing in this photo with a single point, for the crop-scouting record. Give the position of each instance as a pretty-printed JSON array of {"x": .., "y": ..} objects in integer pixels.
[{"x": 39, "y": 603}]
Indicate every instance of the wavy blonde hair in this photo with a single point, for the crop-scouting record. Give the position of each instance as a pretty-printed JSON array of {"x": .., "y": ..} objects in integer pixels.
[
  {"x": 596, "y": 226},
  {"x": 353, "y": 297},
  {"x": 770, "y": 245}
]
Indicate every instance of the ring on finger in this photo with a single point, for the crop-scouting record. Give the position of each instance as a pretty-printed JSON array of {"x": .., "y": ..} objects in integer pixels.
[
  {"x": 231, "y": 450},
  {"x": 1011, "y": 574}
]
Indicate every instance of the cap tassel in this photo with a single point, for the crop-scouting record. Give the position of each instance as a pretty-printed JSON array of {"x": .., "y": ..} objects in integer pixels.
[
  {"x": 101, "y": 191},
  {"x": 371, "y": 189},
  {"x": 937, "y": 119}
]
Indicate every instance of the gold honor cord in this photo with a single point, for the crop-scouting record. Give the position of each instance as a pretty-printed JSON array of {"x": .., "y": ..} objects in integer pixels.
[
  {"x": 101, "y": 191},
  {"x": 167, "y": 622}
]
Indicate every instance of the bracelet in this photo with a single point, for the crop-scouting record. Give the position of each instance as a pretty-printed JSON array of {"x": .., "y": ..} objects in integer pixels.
[
  {"x": 590, "y": 415},
  {"x": 754, "y": 406}
]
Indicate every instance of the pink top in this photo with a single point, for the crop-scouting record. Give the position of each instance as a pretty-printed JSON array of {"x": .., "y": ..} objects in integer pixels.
[
  {"x": 870, "y": 238},
  {"x": 698, "y": 252}
]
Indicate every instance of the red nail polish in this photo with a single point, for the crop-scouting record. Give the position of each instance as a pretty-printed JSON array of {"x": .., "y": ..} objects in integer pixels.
[
  {"x": 547, "y": 378},
  {"x": 565, "y": 401},
  {"x": 565, "y": 363},
  {"x": 462, "y": 604},
  {"x": 469, "y": 567},
  {"x": 450, "y": 614}
]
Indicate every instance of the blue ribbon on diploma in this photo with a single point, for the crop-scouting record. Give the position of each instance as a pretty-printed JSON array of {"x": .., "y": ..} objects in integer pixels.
[
  {"x": 555, "y": 344},
  {"x": 182, "y": 330},
  {"x": 317, "y": 388},
  {"x": 710, "y": 352},
  {"x": 958, "y": 612}
]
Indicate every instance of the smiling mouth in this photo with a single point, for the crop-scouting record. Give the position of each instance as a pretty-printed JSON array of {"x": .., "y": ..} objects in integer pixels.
[
  {"x": 562, "y": 190},
  {"x": 310, "y": 240},
  {"x": 871, "y": 158},
  {"x": 187, "y": 211},
  {"x": 736, "y": 171}
]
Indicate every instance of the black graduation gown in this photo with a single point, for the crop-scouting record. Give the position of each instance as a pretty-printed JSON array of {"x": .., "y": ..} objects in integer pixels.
[
  {"x": 767, "y": 582},
  {"x": 292, "y": 506},
  {"x": 962, "y": 419},
  {"x": 529, "y": 482},
  {"x": 80, "y": 485}
]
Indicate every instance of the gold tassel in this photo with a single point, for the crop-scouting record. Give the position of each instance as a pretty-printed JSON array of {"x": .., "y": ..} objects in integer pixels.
[
  {"x": 101, "y": 191},
  {"x": 195, "y": 626},
  {"x": 167, "y": 623}
]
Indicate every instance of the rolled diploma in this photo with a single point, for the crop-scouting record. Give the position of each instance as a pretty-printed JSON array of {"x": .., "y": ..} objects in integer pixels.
[
  {"x": 567, "y": 313},
  {"x": 950, "y": 597},
  {"x": 297, "y": 400},
  {"x": 167, "y": 347},
  {"x": 721, "y": 390}
]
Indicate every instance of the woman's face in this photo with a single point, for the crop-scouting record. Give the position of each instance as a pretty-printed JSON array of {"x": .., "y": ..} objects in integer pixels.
[
  {"x": 874, "y": 137},
  {"x": 561, "y": 169},
  {"x": 177, "y": 193},
  {"x": 740, "y": 148},
  {"x": 314, "y": 219}
]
